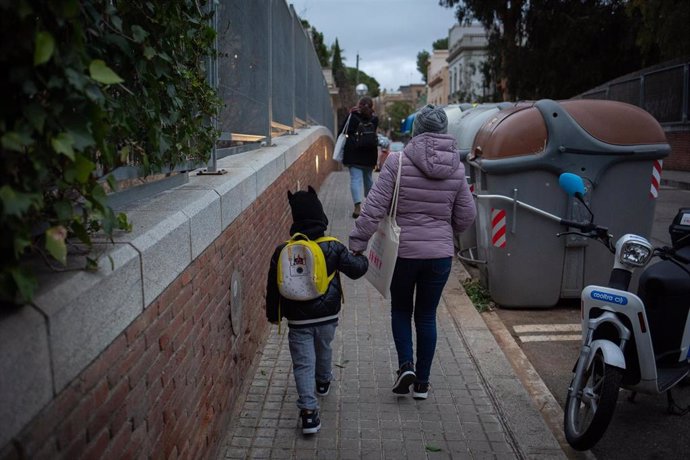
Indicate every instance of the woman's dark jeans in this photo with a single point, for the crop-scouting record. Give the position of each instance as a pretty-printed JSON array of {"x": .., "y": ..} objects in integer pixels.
[{"x": 415, "y": 291}]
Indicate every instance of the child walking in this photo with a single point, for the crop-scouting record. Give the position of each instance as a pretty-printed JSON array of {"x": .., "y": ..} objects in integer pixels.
[{"x": 312, "y": 323}]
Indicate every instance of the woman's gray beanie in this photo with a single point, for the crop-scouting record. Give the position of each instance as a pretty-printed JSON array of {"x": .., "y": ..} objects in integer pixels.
[{"x": 430, "y": 119}]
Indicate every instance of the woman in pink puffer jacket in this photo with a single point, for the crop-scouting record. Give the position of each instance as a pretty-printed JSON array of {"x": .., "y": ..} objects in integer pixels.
[{"x": 434, "y": 203}]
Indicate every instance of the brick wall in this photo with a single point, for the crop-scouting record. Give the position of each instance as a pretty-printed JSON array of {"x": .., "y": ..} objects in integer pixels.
[
  {"x": 679, "y": 159},
  {"x": 168, "y": 385}
]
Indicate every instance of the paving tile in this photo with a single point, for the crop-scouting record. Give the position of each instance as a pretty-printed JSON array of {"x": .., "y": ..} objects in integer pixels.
[{"x": 361, "y": 417}]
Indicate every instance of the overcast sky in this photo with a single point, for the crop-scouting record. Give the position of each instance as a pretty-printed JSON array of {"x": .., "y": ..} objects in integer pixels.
[{"x": 387, "y": 34}]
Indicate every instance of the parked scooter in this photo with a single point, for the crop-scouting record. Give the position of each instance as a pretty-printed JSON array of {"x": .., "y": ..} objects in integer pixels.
[
  {"x": 637, "y": 342},
  {"x": 640, "y": 342}
]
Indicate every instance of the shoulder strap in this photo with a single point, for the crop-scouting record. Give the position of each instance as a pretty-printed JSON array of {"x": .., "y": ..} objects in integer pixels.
[
  {"x": 324, "y": 239},
  {"x": 396, "y": 191},
  {"x": 347, "y": 123}
]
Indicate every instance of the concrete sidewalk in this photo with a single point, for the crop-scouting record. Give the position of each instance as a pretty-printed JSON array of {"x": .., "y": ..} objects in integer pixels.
[{"x": 477, "y": 407}]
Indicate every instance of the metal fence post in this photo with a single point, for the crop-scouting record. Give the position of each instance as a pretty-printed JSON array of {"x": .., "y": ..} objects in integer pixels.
[
  {"x": 269, "y": 141},
  {"x": 215, "y": 84}
]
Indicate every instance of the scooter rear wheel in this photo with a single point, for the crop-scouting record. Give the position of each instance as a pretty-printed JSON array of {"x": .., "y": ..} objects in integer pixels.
[{"x": 589, "y": 408}]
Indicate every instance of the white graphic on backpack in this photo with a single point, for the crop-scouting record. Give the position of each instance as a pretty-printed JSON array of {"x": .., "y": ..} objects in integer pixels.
[{"x": 302, "y": 273}]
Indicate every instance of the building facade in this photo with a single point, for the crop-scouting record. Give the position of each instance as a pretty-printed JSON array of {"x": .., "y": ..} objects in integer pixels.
[
  {"x": 468, "y": 52},
  {"x": 437, "y": 78}
]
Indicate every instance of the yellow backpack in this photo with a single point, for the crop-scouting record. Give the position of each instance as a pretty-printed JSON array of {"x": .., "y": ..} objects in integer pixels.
[{"x": 302, "y": 273}]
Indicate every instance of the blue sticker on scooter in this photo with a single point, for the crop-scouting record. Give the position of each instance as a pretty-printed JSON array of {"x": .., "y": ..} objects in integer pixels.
[{"x": 611, "y": 298}]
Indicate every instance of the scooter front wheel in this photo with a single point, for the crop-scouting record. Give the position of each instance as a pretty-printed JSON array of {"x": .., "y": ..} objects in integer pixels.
[{"x": 589, "y": 408}]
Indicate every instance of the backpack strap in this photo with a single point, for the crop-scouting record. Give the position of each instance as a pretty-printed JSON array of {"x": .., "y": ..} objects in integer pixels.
[{"x": 324, "y": 239}]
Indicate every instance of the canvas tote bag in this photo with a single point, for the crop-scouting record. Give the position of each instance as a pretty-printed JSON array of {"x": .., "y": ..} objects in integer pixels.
[
  {"x": 339, "y": 149},
  {"x": 383, "y": 246}
]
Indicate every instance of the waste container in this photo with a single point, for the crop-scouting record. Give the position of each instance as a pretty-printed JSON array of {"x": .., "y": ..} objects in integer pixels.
[
  {"x": 519, "y": 153},
  {"x": 464, "y": 125}
]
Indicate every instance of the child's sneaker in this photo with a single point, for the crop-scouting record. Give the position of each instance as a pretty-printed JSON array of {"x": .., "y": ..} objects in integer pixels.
[
  {"x": 322, "y": 388},
  {"x": 420, "y": 390},
  {"x": 311, "y": 423},
  {"x": 406, "y": 377}
]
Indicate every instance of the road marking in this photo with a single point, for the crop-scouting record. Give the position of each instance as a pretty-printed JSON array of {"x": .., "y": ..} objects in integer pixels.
[
  {"x": 550, "y": 338},
  {"x": 547, "y": 328},
  {"x": 548, "y": 332}
]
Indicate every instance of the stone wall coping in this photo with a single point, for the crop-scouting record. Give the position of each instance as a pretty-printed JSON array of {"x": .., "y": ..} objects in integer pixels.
[{"x": 76, "y": 314}]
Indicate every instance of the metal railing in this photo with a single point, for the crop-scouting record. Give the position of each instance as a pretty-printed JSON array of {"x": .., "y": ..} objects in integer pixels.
[
  {"x": 663, "y": 91},
  {"x": 268, "y": 74},
  {"x": 269, "y": 80}
]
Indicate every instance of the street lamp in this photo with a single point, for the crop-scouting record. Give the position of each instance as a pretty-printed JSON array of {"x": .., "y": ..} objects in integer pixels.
[{"x": 361, "y": 89}]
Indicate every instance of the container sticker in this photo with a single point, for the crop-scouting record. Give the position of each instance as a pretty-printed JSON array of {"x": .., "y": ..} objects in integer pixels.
[
  {"x": 685, "y": 219},
  {"x": 498, "y": 228},
  {"x": 611, "y": 298},
  {"x": 656, "y": 179}
]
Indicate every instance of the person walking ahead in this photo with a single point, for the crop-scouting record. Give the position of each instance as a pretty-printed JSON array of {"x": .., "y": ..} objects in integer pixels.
[
  {"x": 312, "y": 322},
  {"x": 361, "y": 150},
  {"x": 434, "y": 201}
]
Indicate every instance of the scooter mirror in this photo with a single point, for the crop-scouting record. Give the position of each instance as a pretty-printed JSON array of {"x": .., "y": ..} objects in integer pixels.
[{"x": 572, "y": 184}]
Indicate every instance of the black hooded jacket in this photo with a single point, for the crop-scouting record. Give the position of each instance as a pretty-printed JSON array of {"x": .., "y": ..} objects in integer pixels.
[{"x": 310, "y": 220}]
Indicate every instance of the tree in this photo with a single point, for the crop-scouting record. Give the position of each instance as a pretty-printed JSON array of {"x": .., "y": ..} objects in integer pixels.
[
  {"x": 372, "y": 85},
  {"x": 584, "y": 44},
  {"x": 322, "y": 51},
  {"x": 423, "y": 56},
  {"x": 423, "y": 63},
  {"x": 440, "y": 44},
  {"x": 397, "y": 112},
  {"x": 663, "y": 29},
  {"x": 553, "y": 48}
]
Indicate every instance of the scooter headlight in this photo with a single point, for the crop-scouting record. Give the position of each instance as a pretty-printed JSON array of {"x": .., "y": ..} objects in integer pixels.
[{"x": 635, "y": 253}]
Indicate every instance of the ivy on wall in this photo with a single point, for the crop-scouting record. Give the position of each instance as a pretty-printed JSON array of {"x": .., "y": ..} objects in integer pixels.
[{"x": 88, "y": 86}]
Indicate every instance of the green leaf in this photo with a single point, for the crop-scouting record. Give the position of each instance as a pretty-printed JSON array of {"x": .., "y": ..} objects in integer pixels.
[
  {"x": 80, "y": 232},
  {"x": 112, "y": 183},
  {"x": 117, "y": 22},
  {"x": 63, "y": 144},
  {"x": 20, "y": 244},
  {"x": 76, "y": 79},
  {"x": 124, "y": 154},
  {"x": 149, "y": 52},
  {"x": 26, "y": 283},
  {"x": 17, "y": 203},
  {"x": 82, "y": 137},
  {"x": 103, "y": 74},
  {"x": 123, "y": 223},
  {"x": 70, "y": 8},
  {"x": 45, "y": 46},
  {"x": 55, "y": 243},
  {"x": 12, "y": 141},
  {"x": 91, "y": 264},
  {"x": 98, "y": 195},
  {"x": 36, "y": 116},
  {"x": 139, "y": 34},
  {"x": 80, "y": 170},
  {"x": 63, "y": 210},
  {"x": 431, "y": 448}
]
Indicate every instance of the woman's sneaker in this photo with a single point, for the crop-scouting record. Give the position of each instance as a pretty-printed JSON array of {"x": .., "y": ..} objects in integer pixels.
[
  {"x": 406, "y": 377},
  {"x": 420, "y": 390},
  {"x": 311, "y": 423},
  {"x": 322, "y": 388}
]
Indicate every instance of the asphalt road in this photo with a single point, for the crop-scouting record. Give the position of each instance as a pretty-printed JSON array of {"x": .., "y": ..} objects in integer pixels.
[{"x": 550, "y": 339}]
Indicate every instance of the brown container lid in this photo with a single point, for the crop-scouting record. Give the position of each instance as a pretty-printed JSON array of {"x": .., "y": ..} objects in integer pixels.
[
  {"x": 511, "y": 132},
  {"x": 521, "y": 130},
  {"x": 615, "y": 122}
]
